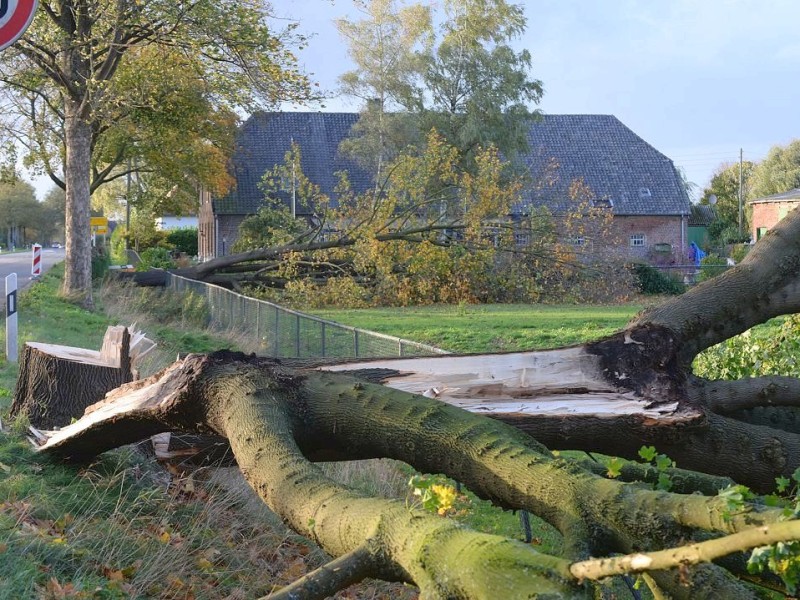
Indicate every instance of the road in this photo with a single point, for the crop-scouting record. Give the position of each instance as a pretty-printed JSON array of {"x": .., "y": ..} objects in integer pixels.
[{"x": 20, "y": 263}]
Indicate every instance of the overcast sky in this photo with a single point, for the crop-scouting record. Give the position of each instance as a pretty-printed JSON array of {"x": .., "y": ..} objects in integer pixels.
[{"x": 697, "y": 79}]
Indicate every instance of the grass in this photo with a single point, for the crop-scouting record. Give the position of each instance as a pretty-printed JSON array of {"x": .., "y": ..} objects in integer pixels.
[
  {"x": 123, "y": 527},
  {"x": 491, "y": 328}
]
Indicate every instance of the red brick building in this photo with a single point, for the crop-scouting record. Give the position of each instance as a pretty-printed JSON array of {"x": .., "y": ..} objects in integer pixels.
[
  {"x": 771, "y": 209},
  {"x": 617, "y": 170}
]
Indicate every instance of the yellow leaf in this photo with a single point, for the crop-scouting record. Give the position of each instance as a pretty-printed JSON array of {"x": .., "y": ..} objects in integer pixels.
[
  {"x": 165, "y": 537},
  {"x": 205, "y": 564}
]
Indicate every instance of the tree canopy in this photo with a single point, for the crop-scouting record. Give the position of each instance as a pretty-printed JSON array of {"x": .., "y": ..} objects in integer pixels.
[
  {"x": 456, "y": 73},
  {"x": 95, "y": 82},
  {"x": 779, "y": 172}
]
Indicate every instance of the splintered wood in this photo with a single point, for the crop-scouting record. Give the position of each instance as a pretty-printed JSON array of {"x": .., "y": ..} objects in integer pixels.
[{"x": 555, "y": 382}]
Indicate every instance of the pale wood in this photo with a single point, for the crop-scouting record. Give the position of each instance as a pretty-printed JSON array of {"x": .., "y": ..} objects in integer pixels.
[{"x": 566, "y": 381}]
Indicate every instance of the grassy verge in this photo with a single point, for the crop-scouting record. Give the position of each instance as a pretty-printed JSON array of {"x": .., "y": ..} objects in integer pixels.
[{"x": 491, "y": 328}]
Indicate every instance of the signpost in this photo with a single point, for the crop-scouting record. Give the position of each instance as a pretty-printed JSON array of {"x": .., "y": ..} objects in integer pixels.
[
  {"x": 11, "y": 317},
  {"x": 99, "y": 227},
  {"x": 15, "y": 16},
  {"x": 36, "y": 261}
]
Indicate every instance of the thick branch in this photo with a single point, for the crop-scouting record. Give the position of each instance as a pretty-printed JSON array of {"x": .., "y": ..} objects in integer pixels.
[{"x": 729, "y": 397}]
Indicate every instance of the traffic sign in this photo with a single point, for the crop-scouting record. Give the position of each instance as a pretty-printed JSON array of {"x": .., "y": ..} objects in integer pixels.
[
  {"x": 99, "y": 224},
  {"x": 15, "y": 16}
]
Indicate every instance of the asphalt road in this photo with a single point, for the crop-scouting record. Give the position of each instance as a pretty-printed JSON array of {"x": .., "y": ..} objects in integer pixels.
[{"x": 20, "y": 263}]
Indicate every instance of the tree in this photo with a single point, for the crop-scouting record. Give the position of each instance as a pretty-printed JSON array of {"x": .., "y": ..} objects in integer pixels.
[
  {"x": 73, "y": 86},
  {"x": 433, "y": 231},
  {"x": 279, "y": 417},
  {"x": 779, "y": 172},
  {"x": 19, "y": 211},
  {"x": 463, "y": 79},
  {"x": 725, "y": 186},
  {"x": 384, "y": 46}
]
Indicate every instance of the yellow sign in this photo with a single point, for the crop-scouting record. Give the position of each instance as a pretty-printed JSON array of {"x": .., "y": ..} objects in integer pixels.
[{"x": 99, "y": 225}]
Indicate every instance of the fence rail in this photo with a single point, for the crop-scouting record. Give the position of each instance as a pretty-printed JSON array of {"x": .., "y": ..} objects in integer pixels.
[{"x": 273, "y": 330}]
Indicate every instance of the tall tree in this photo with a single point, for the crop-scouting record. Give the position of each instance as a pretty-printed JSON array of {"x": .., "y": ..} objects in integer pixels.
[
  {"x": 475, "y": 88},
  {"x": 725, "y": 187},
  {"x": 462, "y": 77},
  {"x": 64, "y": 93},
  {"x": 779, "y": 172},
  {"x": 386, "y": 46},
  {"x": 19, "y": 210}
]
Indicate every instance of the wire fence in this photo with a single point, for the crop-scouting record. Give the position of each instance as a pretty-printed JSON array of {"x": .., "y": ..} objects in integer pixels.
[{"x": 272, "y": 330}]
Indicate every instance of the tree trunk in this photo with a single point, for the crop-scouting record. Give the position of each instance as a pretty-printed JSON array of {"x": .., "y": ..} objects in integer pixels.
[
  {"x": 57, "y": 383},
  {"x": 78, "y": 262},
  {"x": 275, "y": 419}
]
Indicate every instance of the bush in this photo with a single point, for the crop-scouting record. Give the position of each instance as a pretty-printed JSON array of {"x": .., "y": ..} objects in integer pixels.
[
  {"x": 653, "y": 281},
  {"x": 184, "y": 240},
  {"x": 155, "y": 258},
  {"x": 100, "y": 262},
  {"x": 119, "y": 254},
  {"x": 711, "y": 266},
  {"x": 739, "y": 251}
]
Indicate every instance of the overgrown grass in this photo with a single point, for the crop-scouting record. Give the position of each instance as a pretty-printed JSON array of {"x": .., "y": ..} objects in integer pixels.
[{"x": 491, "y": 328}]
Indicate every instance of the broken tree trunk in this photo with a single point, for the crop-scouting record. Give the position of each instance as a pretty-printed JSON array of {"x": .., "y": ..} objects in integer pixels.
[
  {"x": 57, "y": 383},
  {"x": 277, "y": 419}
]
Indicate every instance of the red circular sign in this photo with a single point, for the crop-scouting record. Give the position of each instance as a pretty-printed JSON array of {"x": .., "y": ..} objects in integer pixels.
[{"x": 15, "y": 16}]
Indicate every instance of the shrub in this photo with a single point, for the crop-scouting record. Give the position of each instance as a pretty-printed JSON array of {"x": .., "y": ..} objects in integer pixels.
[
  {"x": 653, "y": 281},
  {"x": 711, "y": 266},
  {"x": 184, "y": 240},
  {"x": 119, "y": 254},
  {"x": 739, "y": 251},
  {"x": 100, "y": 262},
  {"x": 155, "y": 258}
]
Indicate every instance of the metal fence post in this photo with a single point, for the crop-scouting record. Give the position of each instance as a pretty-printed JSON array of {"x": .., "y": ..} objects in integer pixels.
[
  {"x": 277, "y": 321},
  {"x": 297, "y": 336},
  {"x": 355, "y": 342},
  {"x": 322, "y": 334}
]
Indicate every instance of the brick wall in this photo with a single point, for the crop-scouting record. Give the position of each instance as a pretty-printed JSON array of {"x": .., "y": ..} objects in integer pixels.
[
  {"x": 655, "y": 229},
  {"x": 767, "y": 214}
]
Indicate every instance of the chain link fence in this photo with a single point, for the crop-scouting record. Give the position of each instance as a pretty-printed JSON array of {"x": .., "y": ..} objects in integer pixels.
[{"x": 272, "y": 330}]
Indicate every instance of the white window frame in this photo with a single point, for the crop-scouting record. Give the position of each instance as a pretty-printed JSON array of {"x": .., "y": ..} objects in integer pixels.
[{"x": 638, "y": 240}]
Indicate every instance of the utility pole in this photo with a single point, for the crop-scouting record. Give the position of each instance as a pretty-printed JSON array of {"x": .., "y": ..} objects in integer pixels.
[
  {"x": 127, "y": 205},
  {"x": 741, "y": 206}
]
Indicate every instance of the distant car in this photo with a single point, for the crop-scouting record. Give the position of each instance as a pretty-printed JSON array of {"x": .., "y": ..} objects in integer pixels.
[{"x": 56, "y": 245}]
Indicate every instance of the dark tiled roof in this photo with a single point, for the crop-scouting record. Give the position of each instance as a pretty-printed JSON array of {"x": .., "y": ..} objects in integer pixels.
[
  {"x": 782, "y": 197},
  {"x": 262, "y": 143},
  {"x": 702, "y": 215},
  {"x": 614, "y": 162}
]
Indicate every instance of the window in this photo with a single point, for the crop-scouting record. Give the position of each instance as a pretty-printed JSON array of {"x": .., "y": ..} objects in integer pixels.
[
  {"x": 522, "y": 238},
  {"x": 644, "y": 192},
  {"x": 577, "y": 240},
  {"x": 638, "y": 240}
]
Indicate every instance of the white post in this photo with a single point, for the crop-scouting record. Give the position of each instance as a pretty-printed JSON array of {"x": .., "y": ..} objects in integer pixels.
[{"x": 11, "y": 318}]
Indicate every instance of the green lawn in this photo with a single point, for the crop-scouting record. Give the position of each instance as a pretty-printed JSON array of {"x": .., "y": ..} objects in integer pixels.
[{"x": 488, "y": 328}]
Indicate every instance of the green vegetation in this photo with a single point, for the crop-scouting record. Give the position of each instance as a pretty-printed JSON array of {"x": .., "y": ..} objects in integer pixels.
[
  {"x": 490, "y": 328},
  {"x": 652, "y": 281}
]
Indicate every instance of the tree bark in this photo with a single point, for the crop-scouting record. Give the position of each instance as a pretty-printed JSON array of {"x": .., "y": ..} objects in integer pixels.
[
  {"x": 57, "y": 383},
  {"x": 78, "y": 261},
  {"x": 276, "y": 419}
]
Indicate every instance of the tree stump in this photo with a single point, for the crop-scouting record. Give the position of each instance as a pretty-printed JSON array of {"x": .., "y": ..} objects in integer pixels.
[{"x": 56, "y": 383}]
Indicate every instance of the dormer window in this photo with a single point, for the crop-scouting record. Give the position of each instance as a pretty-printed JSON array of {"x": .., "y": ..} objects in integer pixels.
[{"x": 644, "y": 192}]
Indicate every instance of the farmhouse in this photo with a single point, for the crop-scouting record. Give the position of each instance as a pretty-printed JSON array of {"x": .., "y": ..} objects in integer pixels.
[
  {"x": 622, "y": 171},
  {"x": 769, "y": 210}
]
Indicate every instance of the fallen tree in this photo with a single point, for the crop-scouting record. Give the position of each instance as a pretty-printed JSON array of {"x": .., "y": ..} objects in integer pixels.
[{"x": 615, "y": 395}]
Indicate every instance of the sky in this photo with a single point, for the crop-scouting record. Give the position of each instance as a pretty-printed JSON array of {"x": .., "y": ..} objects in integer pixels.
[{"x": 697, "y": 79}]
